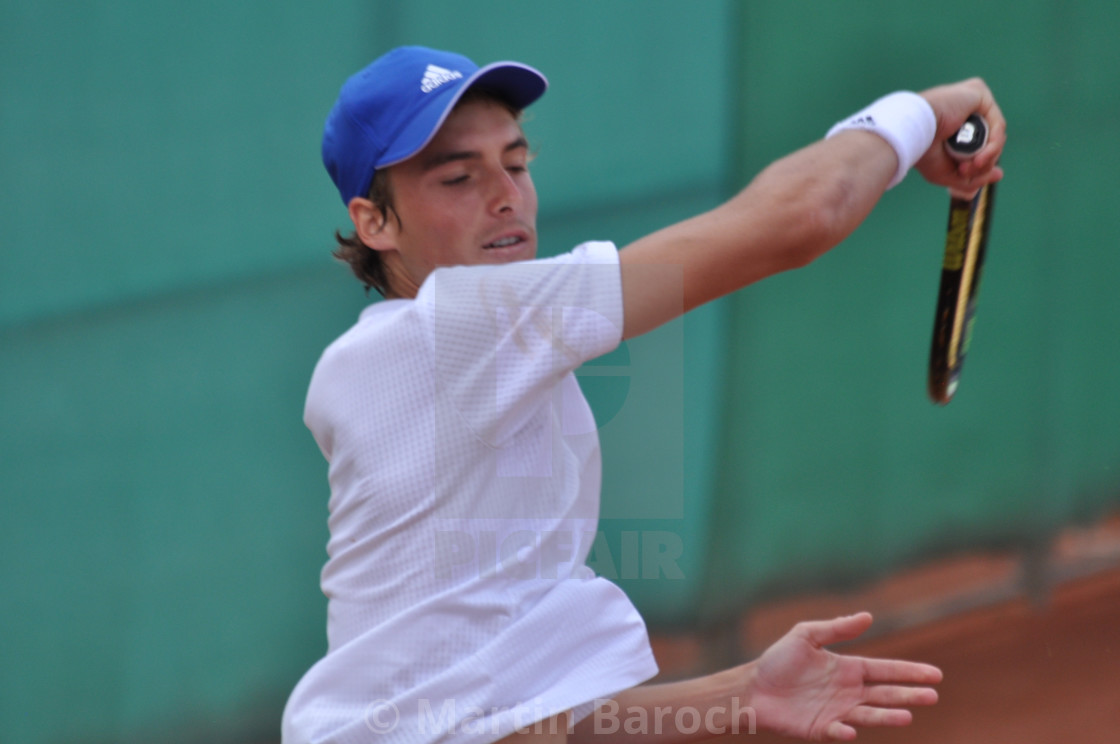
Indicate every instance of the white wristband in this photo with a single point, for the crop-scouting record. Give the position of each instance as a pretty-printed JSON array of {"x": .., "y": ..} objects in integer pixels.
[{"x": 904, "y": 119}]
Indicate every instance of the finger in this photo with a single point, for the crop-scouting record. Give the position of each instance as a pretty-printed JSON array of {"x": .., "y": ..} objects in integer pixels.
[
  {"x": 896, "y": 696},
  {"x": 838, "y": 731},
  {"x": 974, "y": 97},
  {"x": 953, "y": 103},
  {"x": 895, "y": 671},
  {"x": 825, "y": 632},
  {"x": 980, "y": 166},
  {"x": 866, "y": 715},
  {"x": 997, "y": 134}
]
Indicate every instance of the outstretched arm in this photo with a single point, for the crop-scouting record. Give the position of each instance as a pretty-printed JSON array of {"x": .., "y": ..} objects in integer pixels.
[
  {"x": 793, "y": 211},
  {"x": 796, "y": 688}
]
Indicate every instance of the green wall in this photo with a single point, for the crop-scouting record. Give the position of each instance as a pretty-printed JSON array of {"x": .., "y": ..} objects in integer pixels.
[
  {"x": 836, "y": 467},
  {"x": 166, "y": 288}
]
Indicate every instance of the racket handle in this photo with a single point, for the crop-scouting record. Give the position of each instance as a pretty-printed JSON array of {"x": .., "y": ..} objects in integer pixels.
[{"x": 969, "y": 139}]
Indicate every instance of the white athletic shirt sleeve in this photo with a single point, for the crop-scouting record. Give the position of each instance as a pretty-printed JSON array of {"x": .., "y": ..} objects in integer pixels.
[{"x": 465, "y": 471}]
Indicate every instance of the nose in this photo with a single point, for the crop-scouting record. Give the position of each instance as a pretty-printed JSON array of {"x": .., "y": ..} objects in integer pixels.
[{"x": 507, "y": 195}]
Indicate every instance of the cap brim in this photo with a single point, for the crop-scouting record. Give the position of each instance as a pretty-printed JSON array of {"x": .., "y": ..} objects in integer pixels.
[{"x": 520, "y": 84}]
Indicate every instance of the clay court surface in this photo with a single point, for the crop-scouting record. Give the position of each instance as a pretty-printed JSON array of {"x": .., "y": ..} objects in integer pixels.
[
  {"x": 1018, "y": 673},
  {"x": 1017, "y": 669}
]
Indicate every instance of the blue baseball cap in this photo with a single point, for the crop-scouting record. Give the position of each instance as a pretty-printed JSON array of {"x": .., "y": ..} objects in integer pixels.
[{"x": 388, "y": 111}]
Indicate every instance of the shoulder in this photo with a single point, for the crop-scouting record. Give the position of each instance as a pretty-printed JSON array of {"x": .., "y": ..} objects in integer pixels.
[
  {"x": 528, "y": 283},
  {"x": 599, "y": 252},
  {"x": 381, "y": 329},
  {"x": 591, "y": 252}
]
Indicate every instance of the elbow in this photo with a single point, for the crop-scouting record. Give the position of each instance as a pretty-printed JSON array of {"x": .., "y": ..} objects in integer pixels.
[
  {"x": 815, "y": 231},
  {"x": 827, "y": 219}
]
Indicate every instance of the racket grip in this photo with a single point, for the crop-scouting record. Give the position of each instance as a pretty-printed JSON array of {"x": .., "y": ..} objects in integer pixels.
[{"x": 969, "y": 139}]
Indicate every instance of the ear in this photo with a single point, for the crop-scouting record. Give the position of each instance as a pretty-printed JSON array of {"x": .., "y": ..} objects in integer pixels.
[{"x": 371, "y": 226}]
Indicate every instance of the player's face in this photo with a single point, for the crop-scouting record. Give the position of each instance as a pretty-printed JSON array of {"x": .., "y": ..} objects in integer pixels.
[{"x": 466, "y": 198}]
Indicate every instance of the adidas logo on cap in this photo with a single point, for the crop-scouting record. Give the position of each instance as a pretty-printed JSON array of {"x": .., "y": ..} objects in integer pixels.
[{"x": 437, "y": 76}]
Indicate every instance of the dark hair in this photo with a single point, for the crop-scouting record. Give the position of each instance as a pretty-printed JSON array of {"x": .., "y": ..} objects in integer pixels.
[{"x": 364, "y": 261}]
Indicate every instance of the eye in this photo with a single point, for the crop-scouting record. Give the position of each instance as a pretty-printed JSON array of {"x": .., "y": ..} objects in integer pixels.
[{"x": 455, "y": 181}]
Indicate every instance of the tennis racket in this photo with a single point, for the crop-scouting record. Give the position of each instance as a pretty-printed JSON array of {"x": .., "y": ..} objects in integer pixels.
[{"x": 966, "y": 243}]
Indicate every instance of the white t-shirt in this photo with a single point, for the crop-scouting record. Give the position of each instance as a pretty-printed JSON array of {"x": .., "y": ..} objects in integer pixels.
[{"x": 465, "y": 475}]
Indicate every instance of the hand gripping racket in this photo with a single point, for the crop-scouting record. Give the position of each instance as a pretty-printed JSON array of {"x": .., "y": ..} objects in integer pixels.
[{"x": 965, "y": 245}]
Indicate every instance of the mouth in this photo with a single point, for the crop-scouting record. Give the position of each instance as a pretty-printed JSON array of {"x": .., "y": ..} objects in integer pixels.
[{"x": 507, "y": 242}]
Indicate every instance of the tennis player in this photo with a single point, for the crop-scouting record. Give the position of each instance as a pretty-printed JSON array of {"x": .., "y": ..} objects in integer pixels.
[{"x": 463, "y": 460}]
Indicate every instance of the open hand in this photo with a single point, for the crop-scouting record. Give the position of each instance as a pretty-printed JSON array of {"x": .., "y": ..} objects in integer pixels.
[{"x": 803, "y": 690}]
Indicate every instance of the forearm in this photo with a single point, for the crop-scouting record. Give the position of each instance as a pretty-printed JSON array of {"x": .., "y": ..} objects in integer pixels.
[
  {"x": 807, "y": 203},
  {"x": 791, "y": 213},
  {"x": 673, "y": 713}
]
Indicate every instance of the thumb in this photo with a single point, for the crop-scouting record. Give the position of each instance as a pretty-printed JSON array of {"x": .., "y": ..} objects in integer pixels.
[{"x": 826, "y": 632}]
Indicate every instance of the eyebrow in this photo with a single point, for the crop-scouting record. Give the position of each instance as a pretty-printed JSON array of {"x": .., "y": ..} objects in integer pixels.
[{"x": 436, "y": 159}]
